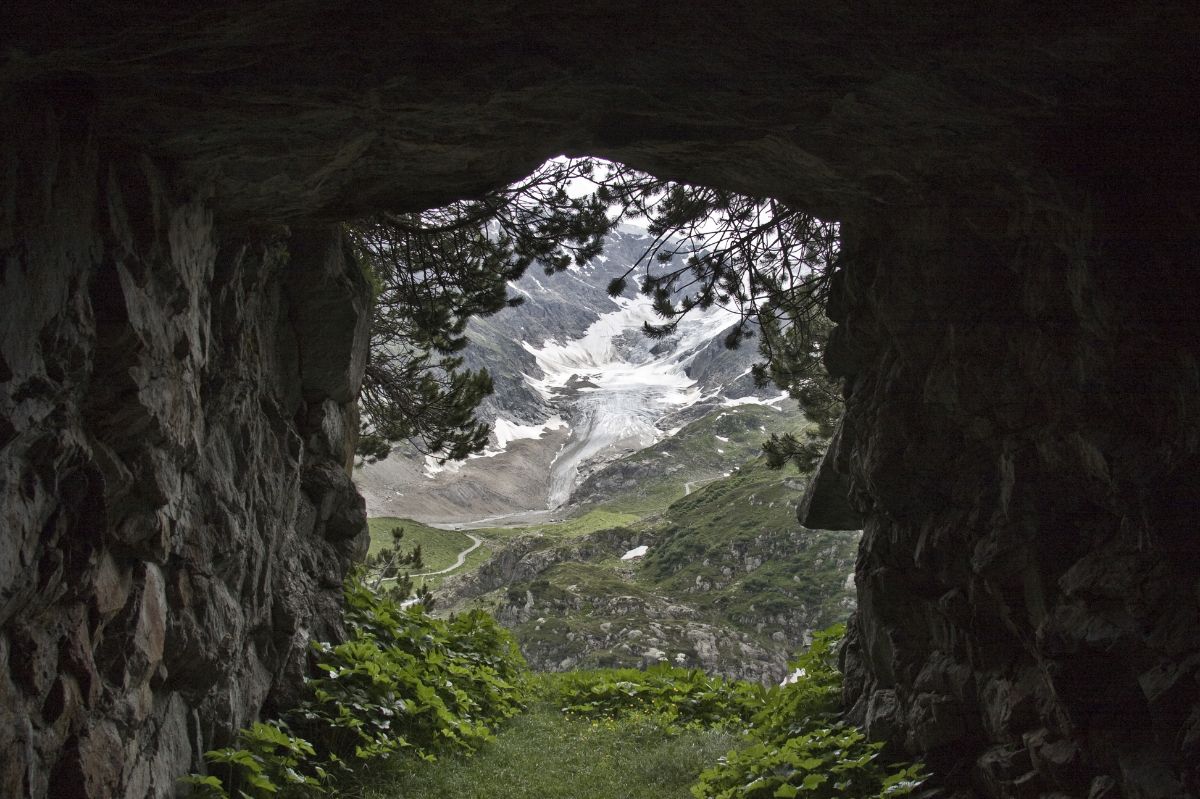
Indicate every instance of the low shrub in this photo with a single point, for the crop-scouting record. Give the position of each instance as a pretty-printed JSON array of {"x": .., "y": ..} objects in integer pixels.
[
  {"x": 402, "y": 680},
  {"x": 810, "y": 696},
  {"x": 800, "y": 748},
  {"x": 833, "y": 761},
  {"x": 676, "y": 697}
]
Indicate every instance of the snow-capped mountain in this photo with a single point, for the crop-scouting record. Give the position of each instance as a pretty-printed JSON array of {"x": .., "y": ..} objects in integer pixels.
[{"x": 577, "y": 384}]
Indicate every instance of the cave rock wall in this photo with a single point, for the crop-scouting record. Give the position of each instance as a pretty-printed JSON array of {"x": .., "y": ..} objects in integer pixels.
[
  {"x": 1021, "y": 434},
  {"x": 175, "y": 432}
]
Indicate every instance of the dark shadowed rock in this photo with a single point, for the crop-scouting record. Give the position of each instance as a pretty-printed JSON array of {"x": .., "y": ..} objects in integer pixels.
[
  {"x": 156, "y": 496},
  {"x": 330, "y": 305},
  {"x": 826, "y": 503}
]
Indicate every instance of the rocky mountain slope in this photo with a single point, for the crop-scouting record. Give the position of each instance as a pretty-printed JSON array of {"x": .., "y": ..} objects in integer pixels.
[
  {"x": 727, "y": 581},
  {"x": 577, "y": 384},
  {"x": 617, "y": 441}
]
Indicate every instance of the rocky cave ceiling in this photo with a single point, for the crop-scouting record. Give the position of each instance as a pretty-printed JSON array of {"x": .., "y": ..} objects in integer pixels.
[{"x": 306, "y": 111}]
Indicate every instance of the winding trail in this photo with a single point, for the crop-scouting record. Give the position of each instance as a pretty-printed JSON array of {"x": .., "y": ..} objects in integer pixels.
[{"x": 462, "y": 557}]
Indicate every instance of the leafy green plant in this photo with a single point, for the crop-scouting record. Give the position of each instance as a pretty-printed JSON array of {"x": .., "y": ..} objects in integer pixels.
[
  {"x": 401, "y": 680},
  {"x": 822, "y": 762},
  {"x": 405, "y": 678},
  {"x": 267, "y": 760},
  {"x": 800, "y": 748},
  {"x": 676, "y": 697},
  {"x": 811, "y": 697}
]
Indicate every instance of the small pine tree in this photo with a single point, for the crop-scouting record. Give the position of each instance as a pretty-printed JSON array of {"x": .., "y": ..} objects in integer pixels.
[
  {"x": 432, "y": 272},
  {"x": 383, "y": 572}
]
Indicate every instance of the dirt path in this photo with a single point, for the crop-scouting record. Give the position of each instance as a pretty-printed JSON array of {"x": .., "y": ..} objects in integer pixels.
[
  {"x": 462, "y": 557},
  {"x": 522, "y": 518}
]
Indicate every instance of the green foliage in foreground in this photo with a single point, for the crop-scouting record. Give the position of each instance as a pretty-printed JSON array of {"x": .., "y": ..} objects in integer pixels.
[
  {"x": 812, "y": 698},
  {"x": 406, "y": 681},
  {"x": 402, "y": 680},
  {"x": 629, "y": 734},
  {"x": 544, "y": 754},
  {"x": 675, "y": 697},
  {"x": 822, "y": 762},
  {"x": 800, "y": 750}
]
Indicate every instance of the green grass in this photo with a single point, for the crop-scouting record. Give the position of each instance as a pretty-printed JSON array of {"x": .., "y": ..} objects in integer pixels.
[
  {"x": 439, "y": 548},
  {"x": 473, "y": 561},
  {"x": 751, "y": 512},
  {"x": 730, "y": 553},
  {"x": 546, "y": 755},
  {"x": 736, "y": 536}
]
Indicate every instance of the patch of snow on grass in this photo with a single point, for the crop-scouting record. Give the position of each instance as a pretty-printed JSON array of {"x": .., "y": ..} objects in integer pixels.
[{"x": 635, "y": 553}]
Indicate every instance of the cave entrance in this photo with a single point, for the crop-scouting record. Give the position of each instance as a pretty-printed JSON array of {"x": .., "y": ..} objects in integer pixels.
[
  {"x": 620, "y": 512},
  {"x": 1015, "y": 189},
  {"x": 685, "y": 265},
  {"x": 617, "y": 318}
]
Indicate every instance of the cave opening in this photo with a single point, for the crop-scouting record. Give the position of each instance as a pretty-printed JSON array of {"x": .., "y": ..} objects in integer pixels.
[
  {"x": 721, "y": 263},
  {"x": 611, "y": 402}
]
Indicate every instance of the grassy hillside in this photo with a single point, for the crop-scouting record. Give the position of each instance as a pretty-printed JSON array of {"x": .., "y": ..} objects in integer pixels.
[
  {"x": 587, "y": 521},
  {"x": 731, "y": 582},
  {"x": 735, "y": 547},
  {"x": 439, "y": 548}
]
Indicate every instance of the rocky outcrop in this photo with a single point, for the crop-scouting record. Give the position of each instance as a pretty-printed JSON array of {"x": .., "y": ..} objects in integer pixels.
[
  {"x": 636, "y": 632},
  {"x": 570, "y": 607},
  {"x": 176, "y": 425},
  {"x": 1021, "y": 435},
  {"x": 826, "y": 502}
]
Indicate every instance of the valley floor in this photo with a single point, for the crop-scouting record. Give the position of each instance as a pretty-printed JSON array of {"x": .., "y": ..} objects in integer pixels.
[{"x": 544, "y": 754}]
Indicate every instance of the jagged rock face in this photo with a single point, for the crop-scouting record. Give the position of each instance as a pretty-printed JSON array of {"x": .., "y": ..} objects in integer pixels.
[
  {"x": 1021, "y": 436},
  {"x": 577, "y": 623},
  {"x": 177, "y": 511},
  {"x": 1019, "y": 195}
]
